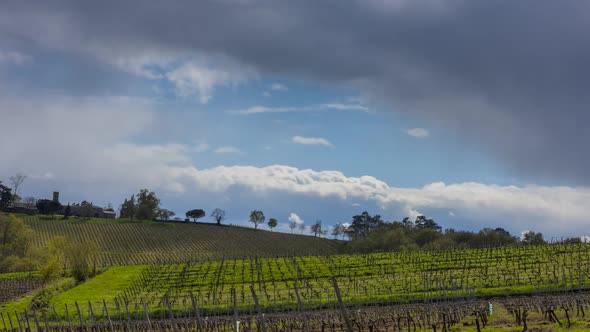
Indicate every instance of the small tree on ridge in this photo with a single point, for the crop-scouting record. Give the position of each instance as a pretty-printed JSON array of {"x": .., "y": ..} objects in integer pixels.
[
  {"x": 219, "y": 215},
  {"x": 272, "y": 223},
  {"x": 195, "y": 214},
  {"x": 257, "y": 218}
]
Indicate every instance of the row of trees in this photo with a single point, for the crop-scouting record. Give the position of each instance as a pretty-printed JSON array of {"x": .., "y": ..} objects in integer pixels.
[
  {"x": 217, "y": 214},
  {"x": 371, "y": 233},
  {"x": 257, "y": 217}
]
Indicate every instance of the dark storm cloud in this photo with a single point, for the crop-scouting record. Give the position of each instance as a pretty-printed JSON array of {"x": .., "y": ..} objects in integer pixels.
[{"x": 509, "y": 76}]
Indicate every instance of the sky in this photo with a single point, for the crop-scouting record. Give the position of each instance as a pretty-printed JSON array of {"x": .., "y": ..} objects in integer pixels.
[{"x": 473, "y": 113}]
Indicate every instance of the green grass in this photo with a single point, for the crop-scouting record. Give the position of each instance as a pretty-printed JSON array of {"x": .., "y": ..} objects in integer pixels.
[
  {"x": 18, "y": 275},
  {"x": 105, "y": 286}
]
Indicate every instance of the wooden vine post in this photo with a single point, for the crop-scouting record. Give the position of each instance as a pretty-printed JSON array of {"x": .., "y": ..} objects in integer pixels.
[
  {"x": 343, "y": 310},
  {"x": 236, "y": 315},
  {"x": 196, "y": 310},
  {"x": 261, "y": 319}
]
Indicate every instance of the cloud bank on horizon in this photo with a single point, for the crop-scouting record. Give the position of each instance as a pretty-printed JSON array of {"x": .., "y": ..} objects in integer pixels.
[{"x": 509, "y": 78}]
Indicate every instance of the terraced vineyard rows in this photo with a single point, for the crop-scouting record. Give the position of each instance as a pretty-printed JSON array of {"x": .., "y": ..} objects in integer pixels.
[{"x": 152, "y": 243}]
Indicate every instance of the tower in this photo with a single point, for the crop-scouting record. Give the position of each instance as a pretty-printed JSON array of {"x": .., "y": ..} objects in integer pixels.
[{"x": 56, "y": 196}]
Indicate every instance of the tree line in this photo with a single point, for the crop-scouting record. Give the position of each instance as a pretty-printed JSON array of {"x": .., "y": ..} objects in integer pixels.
[{"x": 371, "y": 233}]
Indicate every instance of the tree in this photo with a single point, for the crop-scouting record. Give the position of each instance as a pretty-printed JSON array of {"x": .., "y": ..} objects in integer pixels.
[
  {"x": 55, "y": 263},
  {"x": 5, "y": 196},
  {"x": 195, "y": 214},
  {"x": 488, "y": 237},
  {"x": 147, "y": 205},
  {"x": 67, "y": 211},
  {"x": 316, "y": 229},
  {"x": 87, "y": 210},
  {"x": 337, "y": 230},
  {"x": 82, "y": 258},
  {"x": 30, "y": 201},
  {"x": 272, "y": 223},
  {"x": 422, "y": 223},
  {"x": 257, "y": 218},
  {"x": 219, "y": 215},
  {"x": 164, "y": 214},
  {"x": 47, "y": 206},
  {"x": 301, "y": 227},
  {"x": 15, "y": 239},
  {"x": 533, "y": 238},
  {"x": 17, "y": 181},
  {"x": 128, "y": 208},
  {"x": 363, "y": 224},
  {"x": 292, "y": 226},
  {"x": 406, "y": 223}
]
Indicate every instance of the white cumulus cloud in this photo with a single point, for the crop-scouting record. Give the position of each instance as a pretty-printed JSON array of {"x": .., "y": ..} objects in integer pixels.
[{"x": 296, "y": 219}]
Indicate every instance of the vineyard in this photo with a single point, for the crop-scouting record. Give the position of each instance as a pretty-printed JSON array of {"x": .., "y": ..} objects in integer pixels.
[
  {"x": 15, "y": 285},
  {"x": 562, "y": 310},
  {"x": 157, "y": 242},
  {"x": 407, "y": 289}
]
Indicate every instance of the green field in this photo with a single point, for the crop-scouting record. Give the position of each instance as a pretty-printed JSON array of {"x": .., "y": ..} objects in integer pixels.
[{"x": 127, "y": 243}]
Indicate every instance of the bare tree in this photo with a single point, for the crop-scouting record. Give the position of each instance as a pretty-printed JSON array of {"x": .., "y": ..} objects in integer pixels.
[
  {"x": 219, "y": 215},
  {"x": 17, "y": 181},
  {"x": 337, "y": 230},
  {"x": 316, "y": 229},
  {"x": 30, "y": 201},
  {"x": 301, "y": 227},
  {"x": 292, "y": 226}
]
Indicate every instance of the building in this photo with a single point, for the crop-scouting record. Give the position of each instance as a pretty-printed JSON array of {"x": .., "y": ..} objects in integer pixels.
[
  {"x": 23, "y": 208},
  {"x": 89, "y": 210}
]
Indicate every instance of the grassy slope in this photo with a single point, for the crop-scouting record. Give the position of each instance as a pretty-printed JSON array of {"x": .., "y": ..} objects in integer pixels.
[
  {"x": 104, "y": 286},
  {"x": 126, "y": 243}
]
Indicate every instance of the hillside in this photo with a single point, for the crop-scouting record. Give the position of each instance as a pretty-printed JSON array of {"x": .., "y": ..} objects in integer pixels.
[
  {"x": 396, "y": 290},
  {"x": 126, "y": 243}
]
